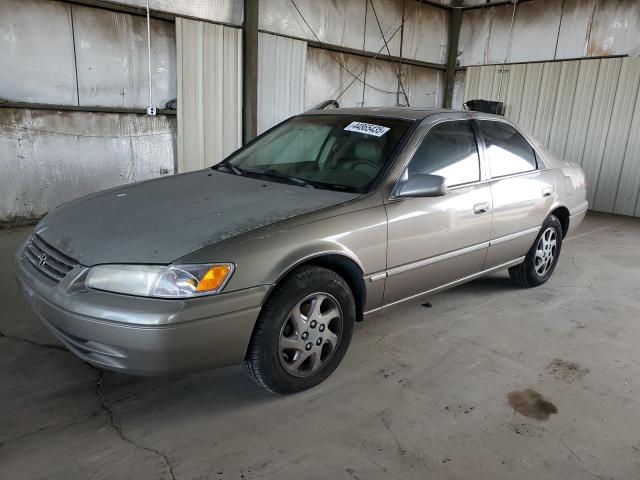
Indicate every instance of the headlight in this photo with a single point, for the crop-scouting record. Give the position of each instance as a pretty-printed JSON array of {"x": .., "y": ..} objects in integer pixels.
[{"x": 172, "y": 281}]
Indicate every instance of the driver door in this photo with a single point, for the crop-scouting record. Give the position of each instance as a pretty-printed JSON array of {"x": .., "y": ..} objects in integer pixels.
[{"x": 433, "y": 241}]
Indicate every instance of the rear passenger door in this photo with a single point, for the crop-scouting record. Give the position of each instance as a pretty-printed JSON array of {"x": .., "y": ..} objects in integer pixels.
[
  {"x": 522, "y": 191},
  {"x": 436, "y": 240}
]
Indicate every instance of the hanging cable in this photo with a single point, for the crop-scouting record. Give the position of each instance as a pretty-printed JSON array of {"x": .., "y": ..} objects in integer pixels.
[
  {"x": 507, "y": 48},
  {"x": 355, "y": 77},
  {"x": 399, "y": 28},
  {"x": 151, "y": 110},
  {"x": 398, "y": 73},
  {"x": 364, "y": 44}
]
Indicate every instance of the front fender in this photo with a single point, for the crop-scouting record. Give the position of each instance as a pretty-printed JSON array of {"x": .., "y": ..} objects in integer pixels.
[{"x": 264, "y": 255}]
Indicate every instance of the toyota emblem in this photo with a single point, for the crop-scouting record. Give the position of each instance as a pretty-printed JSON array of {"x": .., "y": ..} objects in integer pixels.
[{"x": 42, "y": 259}]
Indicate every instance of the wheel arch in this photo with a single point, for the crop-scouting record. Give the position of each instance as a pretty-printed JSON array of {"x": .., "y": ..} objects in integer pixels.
[
  {"x": 562, "y": 214},
  {"x": 344, "y": 266}
]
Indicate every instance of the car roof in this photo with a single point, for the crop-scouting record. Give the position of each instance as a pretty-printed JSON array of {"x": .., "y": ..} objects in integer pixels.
[{"x": 406, "y": 113}]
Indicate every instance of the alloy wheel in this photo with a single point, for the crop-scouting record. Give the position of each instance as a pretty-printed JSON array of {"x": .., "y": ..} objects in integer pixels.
[
  {"x": 310, "y": 334},
  {"x": 545, "y": 252}
]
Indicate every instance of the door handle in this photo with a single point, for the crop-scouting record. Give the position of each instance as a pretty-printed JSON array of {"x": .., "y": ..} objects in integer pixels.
[
  {"x": 547, "y": 191},
  {"x": 481, "y": 208}
]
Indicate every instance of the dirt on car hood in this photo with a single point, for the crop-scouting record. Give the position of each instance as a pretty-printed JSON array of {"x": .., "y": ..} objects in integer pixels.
[{"x": 160, "y": 220}]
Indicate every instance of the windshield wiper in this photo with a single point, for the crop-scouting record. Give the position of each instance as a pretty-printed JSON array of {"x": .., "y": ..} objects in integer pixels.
[
  {"x": 289, "y": 178},
  {"x": 230, "y": 166}
]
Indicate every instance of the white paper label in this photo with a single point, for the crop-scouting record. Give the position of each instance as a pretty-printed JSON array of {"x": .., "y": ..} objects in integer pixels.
[{"x": 368, "y": 128}]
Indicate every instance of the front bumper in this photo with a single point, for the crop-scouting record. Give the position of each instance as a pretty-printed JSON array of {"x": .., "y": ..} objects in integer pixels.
[{"x": 143, "y": 336}]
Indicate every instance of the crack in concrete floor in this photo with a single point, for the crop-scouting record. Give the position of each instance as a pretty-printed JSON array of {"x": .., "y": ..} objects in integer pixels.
[{"x": 105, "y": 407}]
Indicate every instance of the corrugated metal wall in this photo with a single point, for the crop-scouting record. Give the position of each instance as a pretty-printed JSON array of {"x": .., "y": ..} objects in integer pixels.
[
  {"x": 282, "y": 66},
  {"x": 209, "y": 60},
  {"x": 586, "y": 111}
]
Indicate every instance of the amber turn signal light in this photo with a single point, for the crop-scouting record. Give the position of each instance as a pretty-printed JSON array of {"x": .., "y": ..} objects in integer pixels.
[{"x": 214, "y": 278}]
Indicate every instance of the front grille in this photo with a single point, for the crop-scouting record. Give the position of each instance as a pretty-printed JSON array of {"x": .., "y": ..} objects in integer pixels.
[{"x": 49, "y": 261}]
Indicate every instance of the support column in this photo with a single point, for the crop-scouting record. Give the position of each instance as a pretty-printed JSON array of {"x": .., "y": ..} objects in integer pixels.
[
  {"x": 250, "y": 70},
  {"x": 455, "y": 21}
]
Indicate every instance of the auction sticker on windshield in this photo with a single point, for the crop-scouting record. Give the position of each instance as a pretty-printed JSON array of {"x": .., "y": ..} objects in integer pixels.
[{"x": 368, "y": 128}]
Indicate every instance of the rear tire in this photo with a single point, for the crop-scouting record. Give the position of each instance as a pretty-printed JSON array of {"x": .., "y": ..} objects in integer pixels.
[
  {"x": 541, "y": 260},
  {"x": 303, "y": 331}
]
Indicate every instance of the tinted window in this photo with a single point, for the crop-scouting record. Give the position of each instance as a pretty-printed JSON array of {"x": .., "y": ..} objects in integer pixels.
[
  {"x": 508, "y": 152},
  {"x": 449, "y": 150}
]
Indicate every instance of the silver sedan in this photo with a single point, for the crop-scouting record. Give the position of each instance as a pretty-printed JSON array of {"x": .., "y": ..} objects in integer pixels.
[{"x": 269, "y": 257}]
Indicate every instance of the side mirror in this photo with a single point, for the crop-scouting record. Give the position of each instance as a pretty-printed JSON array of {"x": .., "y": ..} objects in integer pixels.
[{"x": 422, "y": 185}]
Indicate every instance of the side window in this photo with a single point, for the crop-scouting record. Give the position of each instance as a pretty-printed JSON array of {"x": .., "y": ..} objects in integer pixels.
[
  {"x": 508, "y": 152},
  {"x": 449, "y": 149}
]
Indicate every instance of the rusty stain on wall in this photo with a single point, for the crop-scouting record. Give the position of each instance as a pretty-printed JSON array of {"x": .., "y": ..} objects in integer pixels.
[
  {"x": 50, "y": 157},
  {"x": 550, "y": 30}
]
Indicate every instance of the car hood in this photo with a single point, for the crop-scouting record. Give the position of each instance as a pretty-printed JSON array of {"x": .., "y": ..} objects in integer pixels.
[{"x": 161, "y": 220}]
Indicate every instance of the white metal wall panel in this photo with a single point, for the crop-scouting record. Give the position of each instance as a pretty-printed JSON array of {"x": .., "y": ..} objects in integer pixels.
[
  {"x": 515, "y": 89},
  {"x": 326, "y": 78},
  {"x": 530, "y": 96},
  {"x": 617, "y": 140},
  {"x": 425, "y": 32},
  {"x": 573, "y": 37},
  {"x": 222, "y": 11},
  {"x": 111, "y": 53},
  {"x": 600, "y": 121},
  {"x": 564, "y": 105},
  {"x": 585, "y": 111},
  {"x": 500, "y": 82},
  {"x": 209, "y": 92},
  {"x": 483, "y": 35},
  {"x": 551, "y": 29},
  {"x": 627, "y": 196},
  {"x": 580, "y": 115},
  {"x": 343, "y": 24},
  {"x": 471, "y": 82},
  {"x": 547, "y": 102},
  {"x": 424, "y": 86},
  {"x": 487, "y": 77},
  {"x": 615, "y": 29},
  {"x": 36, "y": 52},
  {"x": 535, "y": 30},
  {"x": 282, "y": 64},
  {"x": 50, "y": 157},
  {"x": 390, "y": 16}
]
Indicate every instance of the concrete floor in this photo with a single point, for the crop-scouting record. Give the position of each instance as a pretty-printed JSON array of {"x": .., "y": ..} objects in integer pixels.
[{"x": 422, "y": 393}]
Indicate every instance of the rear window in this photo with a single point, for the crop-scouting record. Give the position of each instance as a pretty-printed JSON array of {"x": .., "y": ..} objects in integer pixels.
[{"x": 507, "y": 151}]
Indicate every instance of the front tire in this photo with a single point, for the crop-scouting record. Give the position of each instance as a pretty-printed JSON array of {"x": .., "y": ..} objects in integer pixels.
[
  {"x": 303, "y": 331},
  {"x": 542, "y": 258}
]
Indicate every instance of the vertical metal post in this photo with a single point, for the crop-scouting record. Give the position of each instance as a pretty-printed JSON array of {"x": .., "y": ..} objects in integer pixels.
[
  {"x": 151, "y": 109},
  {"x": 507, "y": 48},
  {"x": 250, "y": 70},
  {"x": 400, "y": 72},
  {"x": 455, "y": 21}
]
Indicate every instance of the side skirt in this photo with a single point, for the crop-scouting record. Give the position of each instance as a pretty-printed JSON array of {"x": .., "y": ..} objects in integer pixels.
[{"x": 449, "y": 285}]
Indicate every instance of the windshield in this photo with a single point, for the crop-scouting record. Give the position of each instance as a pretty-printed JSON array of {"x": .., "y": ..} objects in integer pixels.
[{"x": 338, "y": 152}]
